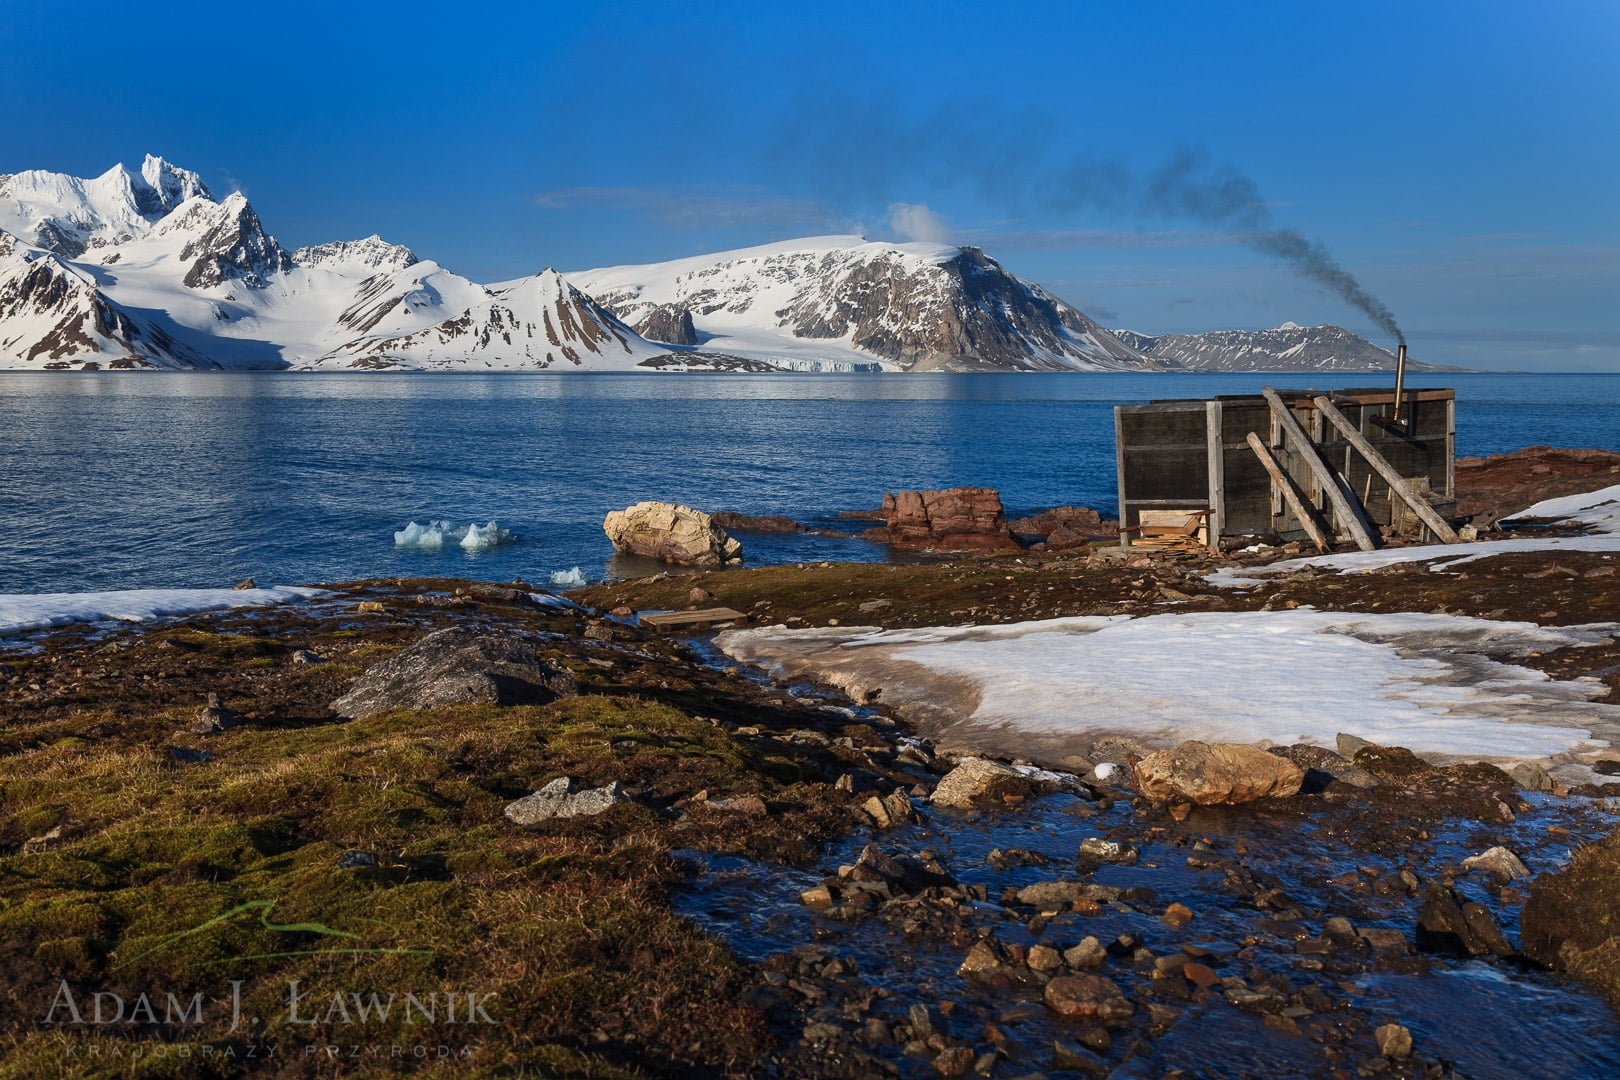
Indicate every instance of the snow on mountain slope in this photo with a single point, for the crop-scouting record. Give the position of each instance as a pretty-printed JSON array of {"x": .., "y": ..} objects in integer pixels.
[
  {"x": 845, "y": 301},
  {"x": 68, "y": 215},
  {"x": 1288, "y": 347},
  {"x": 538, "y": 322},
  {"x": 149, "y": 270}
]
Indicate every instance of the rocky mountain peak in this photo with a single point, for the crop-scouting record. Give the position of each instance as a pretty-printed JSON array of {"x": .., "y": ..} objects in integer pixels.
[
  {"x": 370, "y": 253},
  {"x": 170, "y": 185},
  {"x": 230, "y": 245}
]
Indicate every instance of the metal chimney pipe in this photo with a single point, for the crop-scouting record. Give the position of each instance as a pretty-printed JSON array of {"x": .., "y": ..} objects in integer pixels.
[{"x": 1400, "y": 383}]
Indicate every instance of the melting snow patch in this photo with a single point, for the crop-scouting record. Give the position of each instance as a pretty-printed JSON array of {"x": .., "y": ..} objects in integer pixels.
[
  {"x": 1426, "y": 682},
  {"x": 436, "y": 534},
  {"x": 568, "y": 579},
  {"x": 22, "y": 612}
]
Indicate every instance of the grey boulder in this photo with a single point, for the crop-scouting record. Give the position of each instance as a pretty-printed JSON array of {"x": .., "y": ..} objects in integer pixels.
[
  {"x": 459, "y": 665},
  {"x": 558, "y": 800}
]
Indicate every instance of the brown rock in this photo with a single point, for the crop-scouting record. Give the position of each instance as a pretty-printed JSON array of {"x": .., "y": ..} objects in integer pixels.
[
  {"x": 1201, "y": 975},
  {"x": 671, "y": 533},
  {"x": 1208, "y": 773},
  {"x": 1394, "y": 1041},
  {"x": 1067, "y": 527},
  {"x": 1087, "y": 997},
  {"x": 369, "y": 607},
  {"x": 1178, "y": 915},
  {"x": 955, "y": 519}
]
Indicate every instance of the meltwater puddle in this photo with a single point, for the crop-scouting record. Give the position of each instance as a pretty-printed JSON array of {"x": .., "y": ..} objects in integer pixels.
[{"x": 1292, "y": 1002}]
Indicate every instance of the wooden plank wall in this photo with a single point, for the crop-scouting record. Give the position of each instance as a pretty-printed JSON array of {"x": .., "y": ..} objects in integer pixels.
[{"x": 1165, "y": 456}]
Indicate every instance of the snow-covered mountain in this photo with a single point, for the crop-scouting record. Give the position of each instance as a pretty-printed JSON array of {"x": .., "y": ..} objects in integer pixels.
[
  {"x": 1288, "y": 347},
  {"x": 147, "y": 269},
  {"x": 842, "y": 301}
]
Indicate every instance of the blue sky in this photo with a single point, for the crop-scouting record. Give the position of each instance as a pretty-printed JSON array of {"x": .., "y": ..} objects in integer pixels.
[{"x": 1463, "y": 160}]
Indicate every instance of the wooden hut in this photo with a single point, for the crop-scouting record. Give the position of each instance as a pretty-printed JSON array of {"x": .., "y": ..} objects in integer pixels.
[{"x": 1299, "y": 464}]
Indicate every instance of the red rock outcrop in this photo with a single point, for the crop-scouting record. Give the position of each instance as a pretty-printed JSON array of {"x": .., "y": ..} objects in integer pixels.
[{"x": 956, "y": 519}]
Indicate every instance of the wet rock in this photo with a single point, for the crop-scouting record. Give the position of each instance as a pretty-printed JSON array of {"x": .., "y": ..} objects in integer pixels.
[
  {"x": 356, "y": 860},
  {"x": 903, "y": 874},
  {"x": 672, "y": 533},
  {"x": 1450, "y": 925},
  {"x": 1055, "y": 894},
  {"x": 1531, "y": 777},
  {"x": 1178, "y": 915},
  {"x": 1112, "y": 851},
  {"x": 984, "y": 959},
  {"x": 818, "y": 896},
  {"x": 189, "y": 756},
  {"x": 1394, "y": 1041},
  {"x": 1200, "y": 975},
  {"x": 955, "y": 519},
  {"x": 1087, "y": 997},
  {"x": 1044, "y": 958},
  {"x": 1071, "y": 1057},
  {"x": 1088, "y": 955},
  {"x": 214, "y": 718},
  {"x": 890, "y": 811},
  {"x": 558, "y": 800},
  {"x": 459, "y": 665},
  {"x": 1498, "y": 861},
  {"x": 1219, "y": 773},
  {"x": 979, "y": 782},
  {"x": 954, "y": 1061}
]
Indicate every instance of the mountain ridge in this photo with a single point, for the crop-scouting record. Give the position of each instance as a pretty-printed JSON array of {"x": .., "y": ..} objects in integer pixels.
[{"x": 146, "y": 268}]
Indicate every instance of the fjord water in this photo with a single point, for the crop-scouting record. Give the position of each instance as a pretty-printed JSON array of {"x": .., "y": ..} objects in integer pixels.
[{"x": 140, "y": 480}]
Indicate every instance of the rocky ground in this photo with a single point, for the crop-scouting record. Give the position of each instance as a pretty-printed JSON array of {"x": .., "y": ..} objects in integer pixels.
[{"x": 657, "y": 865}]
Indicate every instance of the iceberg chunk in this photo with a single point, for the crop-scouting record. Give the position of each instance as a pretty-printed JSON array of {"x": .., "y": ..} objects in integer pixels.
[
  {"x": 436, "y": 534},
  {"x": 568, "y": 579}
]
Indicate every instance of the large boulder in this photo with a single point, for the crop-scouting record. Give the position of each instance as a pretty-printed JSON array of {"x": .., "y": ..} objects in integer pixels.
[
  {"x": 671, "y": 533},
  {"x": 1206, "y": 773},
  {"x": 459, "y": 665},
  {"x": 956, "y": 519}
]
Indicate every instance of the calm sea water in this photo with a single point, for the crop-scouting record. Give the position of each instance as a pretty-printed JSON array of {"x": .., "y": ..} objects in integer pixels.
[{"x": 145, "y": 480}]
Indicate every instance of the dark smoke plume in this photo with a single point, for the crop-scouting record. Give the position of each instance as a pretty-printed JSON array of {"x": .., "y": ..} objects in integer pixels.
[
  {"x": 1186, "y": 186},
  {"x": 860, "y": 149}
]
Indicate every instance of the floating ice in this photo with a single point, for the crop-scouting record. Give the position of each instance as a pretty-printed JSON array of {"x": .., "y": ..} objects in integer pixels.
[
  {"x": 568, "y": 579},
  {"x": 435, "y": 534},
  {"x": 22, "y": 612}
]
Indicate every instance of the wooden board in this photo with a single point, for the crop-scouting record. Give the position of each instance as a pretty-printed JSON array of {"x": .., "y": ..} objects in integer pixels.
[{"x": 686, "y": 620}]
